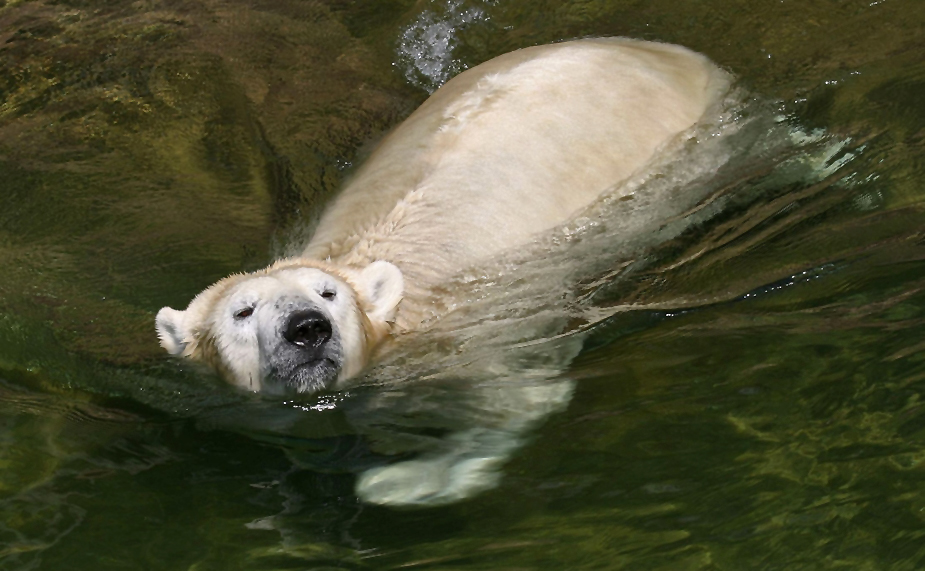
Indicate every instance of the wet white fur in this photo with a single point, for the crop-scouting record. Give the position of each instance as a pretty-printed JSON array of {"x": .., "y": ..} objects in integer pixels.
[
  {"x": 508, "y": 149},
  {"x": 502, "y": 152}
]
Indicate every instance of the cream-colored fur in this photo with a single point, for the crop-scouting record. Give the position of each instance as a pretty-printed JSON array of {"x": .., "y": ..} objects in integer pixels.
[
  {"x": 498, "y": 155},
  {"x": 509, "y": 149}
]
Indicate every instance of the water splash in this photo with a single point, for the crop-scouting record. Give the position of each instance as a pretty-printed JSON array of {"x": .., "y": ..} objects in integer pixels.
[{"x": 425, "y": 47}]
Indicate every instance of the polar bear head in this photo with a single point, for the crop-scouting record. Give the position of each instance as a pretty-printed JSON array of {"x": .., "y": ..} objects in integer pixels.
[{"x": 296, "y": 326}]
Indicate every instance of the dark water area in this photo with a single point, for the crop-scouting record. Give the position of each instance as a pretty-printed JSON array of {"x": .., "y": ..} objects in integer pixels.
[{"x": 749, "y": 395}]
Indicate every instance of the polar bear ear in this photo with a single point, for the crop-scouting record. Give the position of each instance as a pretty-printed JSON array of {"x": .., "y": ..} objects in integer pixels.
[
  {"x": 381, "y": 285},
  {"x": 171, "y": 330}
]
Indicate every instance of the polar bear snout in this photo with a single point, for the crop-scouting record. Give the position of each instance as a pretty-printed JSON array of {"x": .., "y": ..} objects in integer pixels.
[
  {"x": 301, "y": 352},
  {"x": 308, "y": 329}
]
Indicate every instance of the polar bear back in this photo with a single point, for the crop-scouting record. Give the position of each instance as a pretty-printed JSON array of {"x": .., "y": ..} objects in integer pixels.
[{"x": 511, "y": 148}]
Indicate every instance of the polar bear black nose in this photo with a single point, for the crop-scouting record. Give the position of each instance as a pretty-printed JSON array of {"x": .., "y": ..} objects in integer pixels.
[{"x": 307, "y": 329}]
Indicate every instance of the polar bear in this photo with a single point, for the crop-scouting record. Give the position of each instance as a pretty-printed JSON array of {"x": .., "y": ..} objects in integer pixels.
[{"x": 500, "y": 154}]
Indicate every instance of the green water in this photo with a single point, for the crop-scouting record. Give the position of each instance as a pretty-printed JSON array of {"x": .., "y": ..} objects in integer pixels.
[{"x": 767, "y": 415}]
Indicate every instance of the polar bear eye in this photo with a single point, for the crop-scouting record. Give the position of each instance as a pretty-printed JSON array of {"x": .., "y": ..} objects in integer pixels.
[
  {"x": 244, "y": 313},
  {"x": 329, "y": 294}
]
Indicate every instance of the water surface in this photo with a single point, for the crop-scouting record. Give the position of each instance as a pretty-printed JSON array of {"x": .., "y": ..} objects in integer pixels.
[{"x": 749, "y": 387}]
